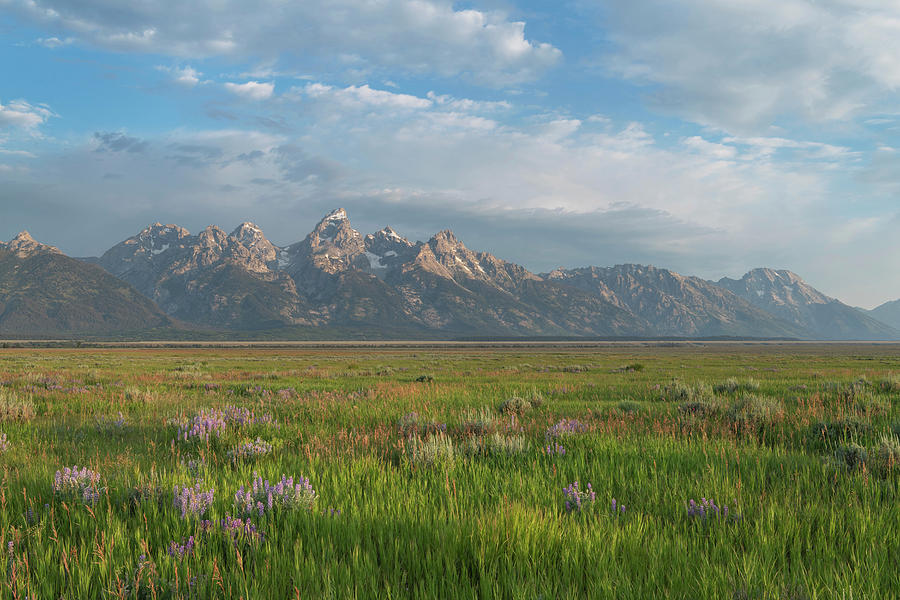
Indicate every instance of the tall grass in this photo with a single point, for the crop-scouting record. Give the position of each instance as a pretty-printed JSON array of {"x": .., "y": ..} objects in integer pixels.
[{"x": 395, "y": 506}]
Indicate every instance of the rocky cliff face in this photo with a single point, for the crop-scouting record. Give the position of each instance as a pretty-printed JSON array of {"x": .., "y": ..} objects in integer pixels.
[
  {"x": 337, "y": 277},
  {"x": 213, "y": 278}
]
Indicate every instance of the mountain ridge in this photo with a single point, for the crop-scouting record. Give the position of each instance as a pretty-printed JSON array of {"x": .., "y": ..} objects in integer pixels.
[{"x": 338, "y": 278}]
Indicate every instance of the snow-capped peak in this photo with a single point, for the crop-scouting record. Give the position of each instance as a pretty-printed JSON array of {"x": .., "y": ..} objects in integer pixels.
[{"x": 339, "y": 214}]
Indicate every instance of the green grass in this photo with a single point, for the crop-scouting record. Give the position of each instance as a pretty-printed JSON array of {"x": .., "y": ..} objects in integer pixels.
[{"x": 482, "y": 523}]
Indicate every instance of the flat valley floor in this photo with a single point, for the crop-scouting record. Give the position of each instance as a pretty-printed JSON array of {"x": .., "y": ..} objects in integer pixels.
[{"x": 678, "y": 470}]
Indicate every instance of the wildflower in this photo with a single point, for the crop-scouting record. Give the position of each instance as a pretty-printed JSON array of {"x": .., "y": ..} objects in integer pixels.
[
  {"x": 566, "y": 427},
  {"x": 262, "y": 497},
  {"x": 705, "y": 509},
  {"x": 193, "y": 501},
  {"x": 75, "y": 482},
  {"x": 250, "y": 450},
  {"x": 241, "y": 530},
  {"x": 185, "y": 548},
  {"x": 554, "y": 449},
  {"x": 4, "y": 443},
  {"x": 617, "y": 509},
  {"x": 577, "y": 500}
]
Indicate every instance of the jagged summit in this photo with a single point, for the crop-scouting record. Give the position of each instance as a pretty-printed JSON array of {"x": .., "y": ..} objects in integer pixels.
[
  {"x": 338, "y": 214},
  {"x": 23, "y": 245},
  {"x": 337, "y": 277}
]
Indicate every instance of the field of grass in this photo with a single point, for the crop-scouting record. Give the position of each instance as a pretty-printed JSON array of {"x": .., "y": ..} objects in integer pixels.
[{"x": 450, "y": 472}]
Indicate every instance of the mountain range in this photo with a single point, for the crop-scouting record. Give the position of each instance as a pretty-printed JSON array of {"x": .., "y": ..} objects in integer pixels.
[{"x": 339, "y": 282}]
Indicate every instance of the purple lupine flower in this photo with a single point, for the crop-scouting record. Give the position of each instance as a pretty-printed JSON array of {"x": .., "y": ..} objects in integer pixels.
[
  {"x": 81, "y": 483},
  {"x": 185, "y": 548},
  {"x": 286, "y": 494},
  {"x": 250, "y": 450},
  {"x": 566, "y": 427},
  {"x": 554, "y": 449},
  {"x": 577, "y": 500},
  {"x": 704, "y": 509},
  {"x": 4, "y": 443},
  {"x": 617, "y": 509},
  {"x": 241, "y": 530},
  {"x": 211, "y": 422},
  {"x": 193, "y": 501}
]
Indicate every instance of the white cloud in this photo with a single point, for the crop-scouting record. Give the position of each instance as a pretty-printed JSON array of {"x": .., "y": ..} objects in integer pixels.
[
  {"x": 54, "y": 42},
  {"x": 186, "y": 76},
  {"x": 359, "y": 96},
  {"x": 251, "y": 90},
  {"x": 467, "y": 105},
  {"x": 23, "y": 115},
  {"x": 418, "y": 36},
  {"x": 741, "y": 66}
]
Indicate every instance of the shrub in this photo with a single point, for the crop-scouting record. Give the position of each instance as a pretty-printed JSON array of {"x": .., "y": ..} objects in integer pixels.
[
  {"x": 506, "y": 445},
  {"x": 515, "y": 406},
  {"x": 829, "y": 434},
  {"x": 847, "y": 391},
  {"x": 732, "y": 385},
  {"x": 753, "y": 411},
  {"x": 13, "y": 408},
  {"x": 677, "y": 391},
  {"x": 136, "y": 395},
  {"x": 851, "y": 456},
  {"x": 425, "y": 379},
  {"x": 866, "y": 404},
  {"x": 701, "y": 408},
  {"x": 887, "y": 455},
  {"x": 478, "y": 422},
  {"x": 889, "y": 385},
  {"x": 629, "y": 407},
  {"x": 409, "y": 424},
  {"x": 435, "y": 449}
]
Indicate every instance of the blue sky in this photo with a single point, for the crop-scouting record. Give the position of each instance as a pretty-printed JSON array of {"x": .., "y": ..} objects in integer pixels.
[{"x": 706, "y": 136}]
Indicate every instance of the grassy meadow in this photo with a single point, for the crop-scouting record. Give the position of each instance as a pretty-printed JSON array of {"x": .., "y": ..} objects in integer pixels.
[{"x": 715, "y": 471}]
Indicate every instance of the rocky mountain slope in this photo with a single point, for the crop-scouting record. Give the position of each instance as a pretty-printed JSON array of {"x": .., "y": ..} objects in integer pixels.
[
  {"x": 45, "y": 293},
  {"x": 785, "y": 295},
  {"x": 336, "y": 276},
  {"x": 888, "y": 313},
  {"x": 338, "y": 280},
  {"x": 678, "y": 305}
]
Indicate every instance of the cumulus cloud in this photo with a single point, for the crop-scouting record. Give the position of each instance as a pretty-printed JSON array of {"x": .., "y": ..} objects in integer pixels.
[
  {"x": 251, "y": 90},
  {"x": 706, "y": 205},
  {"x": 419, "y": 36},
  {"x": 186, "y": 76},
  {"x": 23, "y": 115},
  {"x": 742, "y": 66}
]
